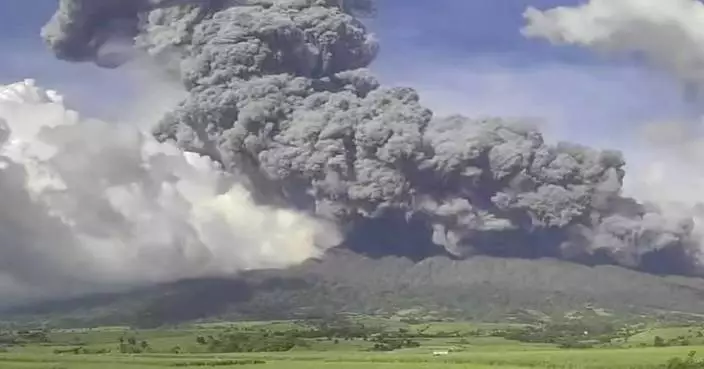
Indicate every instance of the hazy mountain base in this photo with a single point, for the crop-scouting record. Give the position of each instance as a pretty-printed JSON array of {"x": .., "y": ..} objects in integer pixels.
[{"x": 480, "y": 288}]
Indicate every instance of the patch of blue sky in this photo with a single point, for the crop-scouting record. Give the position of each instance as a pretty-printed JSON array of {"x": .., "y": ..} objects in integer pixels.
[{"x": 470, "y": 57}]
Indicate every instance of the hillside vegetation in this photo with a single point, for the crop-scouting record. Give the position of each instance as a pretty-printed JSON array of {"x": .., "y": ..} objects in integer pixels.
[{"x": 480, "y": 288}]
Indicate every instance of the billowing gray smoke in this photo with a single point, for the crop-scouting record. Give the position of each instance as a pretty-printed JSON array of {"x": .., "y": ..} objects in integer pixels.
[{"x": 279, "y": 93}]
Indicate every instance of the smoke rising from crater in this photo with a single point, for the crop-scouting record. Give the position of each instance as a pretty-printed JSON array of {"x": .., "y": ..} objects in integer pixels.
[
  {"x": 279, "y": 94},
  {"x": 667, "y": 35}
]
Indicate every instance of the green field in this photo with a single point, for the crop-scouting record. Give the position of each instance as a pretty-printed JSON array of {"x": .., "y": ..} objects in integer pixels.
[
  {"x": 499, "y": 357},
  {"x": 469, "y": 345}
]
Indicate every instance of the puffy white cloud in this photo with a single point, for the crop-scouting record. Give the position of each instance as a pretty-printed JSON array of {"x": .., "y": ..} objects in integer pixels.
[
  {"x": 89, "y": 205},
  {"x": 668, "y": 33}
]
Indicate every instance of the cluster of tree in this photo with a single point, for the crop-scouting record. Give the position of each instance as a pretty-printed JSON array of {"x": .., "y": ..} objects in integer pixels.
[
  {"x": 130, "y": 345},
  {"x": 24, "y": 337},
  {"x": 218, "y": 363},
  {"x": 690, "y": 362},
  {"x": 568, "y": 334},
  {"x": 693, "y": 335},
  {"x": 250, "y": 342},
  {"x": 420, "y": 320},
  {"x": 394, "y": 341},
  {"x": 339, "y": 327},
  {"x": 677, "y": 341},
  {"x": 82, "y": 351},
  {"x": 331, "y": 329}
]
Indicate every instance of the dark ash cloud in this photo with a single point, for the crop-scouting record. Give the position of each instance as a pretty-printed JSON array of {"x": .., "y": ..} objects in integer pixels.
[{"x": 278, "y": 92}]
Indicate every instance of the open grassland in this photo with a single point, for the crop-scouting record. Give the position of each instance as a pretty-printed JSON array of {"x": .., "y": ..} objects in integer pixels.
[
  {"x": 545, "y": 358},
  {"x": 466, "y": 348}
]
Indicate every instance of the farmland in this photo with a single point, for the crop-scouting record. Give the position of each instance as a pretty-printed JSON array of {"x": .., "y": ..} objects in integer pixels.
[{"x": 358, "y": 342}]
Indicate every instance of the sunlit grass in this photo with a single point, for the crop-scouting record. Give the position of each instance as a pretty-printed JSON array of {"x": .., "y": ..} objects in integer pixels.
[{"x": 465, "y": 352}]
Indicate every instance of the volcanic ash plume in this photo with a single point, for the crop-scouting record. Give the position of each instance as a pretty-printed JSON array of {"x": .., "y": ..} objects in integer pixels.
[
  {"x": 278, "y": 93},
  {"x": 88, "y": 205},
  {"x": 667, "y": 35}
]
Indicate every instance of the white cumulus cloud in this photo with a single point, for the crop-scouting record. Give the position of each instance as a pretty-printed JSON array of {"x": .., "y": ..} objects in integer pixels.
[{"x": 88, "y": 204}]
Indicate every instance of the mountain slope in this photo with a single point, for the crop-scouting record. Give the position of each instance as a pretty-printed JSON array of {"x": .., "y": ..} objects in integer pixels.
[{"x": 480, "y": 288}]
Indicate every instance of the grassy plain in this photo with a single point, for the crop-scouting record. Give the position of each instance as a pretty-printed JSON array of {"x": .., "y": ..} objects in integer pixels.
[{"x": 178, "y": 347}]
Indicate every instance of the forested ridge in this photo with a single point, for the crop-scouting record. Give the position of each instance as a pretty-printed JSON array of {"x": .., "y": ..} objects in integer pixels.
[{"x": 481, "y": 288}]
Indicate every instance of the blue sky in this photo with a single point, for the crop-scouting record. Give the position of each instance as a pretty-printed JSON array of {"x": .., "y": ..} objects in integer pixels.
[
  {"x": 464, "y": 56},
  {"x": 469, "y": 56},
  {"x": 23, "y": 55}
]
